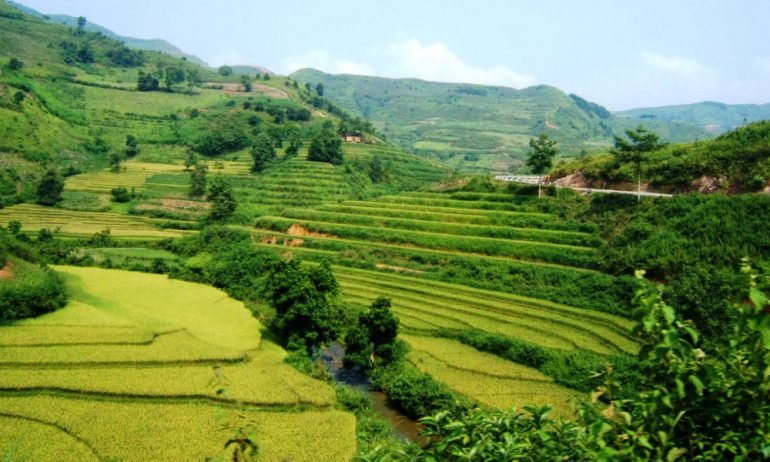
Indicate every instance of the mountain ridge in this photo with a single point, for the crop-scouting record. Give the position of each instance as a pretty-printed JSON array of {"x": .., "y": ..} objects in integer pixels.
[{"x": 481, "y": 128}]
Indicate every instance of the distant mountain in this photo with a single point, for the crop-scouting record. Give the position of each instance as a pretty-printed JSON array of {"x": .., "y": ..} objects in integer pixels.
[
  {"x": 476, "y": 128},
  {"x": 131, "y": 42},
  {"x": 250, "y": 69},
  {"x": 714, "y": 117}
]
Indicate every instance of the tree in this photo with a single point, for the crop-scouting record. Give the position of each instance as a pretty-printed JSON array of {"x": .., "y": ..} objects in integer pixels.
[
  {"x": 173, "y": 75},
  {"x": 190, "y": 159},
  {"x": 115, "y": 159},
  {"x": 326, "y": 146},
  {"x": 640, "y": 143},
  {"x": 262, "y": 152},
  {"x": 294, "y": 137},
  {"x": 225, "y": 70},
  {"x": 120, "y": 194},
  {"x": 246, "y": 82},
  {"x": 146, "y": 82},
  {"x": 198, "y": 180},
  {"x": 376, "y": 169},
  {"x": 85, "y": 54},
  {"x": 18, "y": 97},
  {"x": 319, "y": 89},
  {"x": 305, "y": 314},
  {"x": 308, "y": 87},
  {"x": 373, "y": 338},
  {"x": 15, "y": 64},
  {"x": 541, "y": 157},
  {"x": 132, "y": 146},
  {"x": 50, "y": 188},
  {"x": 223, "y": 203},
  {"x": 81, "y": 23}
]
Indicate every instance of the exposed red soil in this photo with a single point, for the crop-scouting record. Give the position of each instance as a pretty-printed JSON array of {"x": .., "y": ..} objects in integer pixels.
[
  {"x": 298, "y": 230},
  {"x": 6, "y": 272}
]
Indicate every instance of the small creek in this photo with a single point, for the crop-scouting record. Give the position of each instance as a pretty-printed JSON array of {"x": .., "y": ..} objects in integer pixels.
[{"x": 403, "y": 426}]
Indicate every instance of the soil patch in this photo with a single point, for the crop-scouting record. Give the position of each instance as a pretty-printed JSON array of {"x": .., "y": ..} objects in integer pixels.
[
  {"x": 298, "y": 230},
  {"x": 398, "y": 269},
  {"x": 6, "y": 272}
]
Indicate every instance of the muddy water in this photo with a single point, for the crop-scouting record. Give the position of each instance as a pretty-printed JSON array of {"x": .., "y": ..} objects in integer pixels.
[{"x": 403, "y": 426}]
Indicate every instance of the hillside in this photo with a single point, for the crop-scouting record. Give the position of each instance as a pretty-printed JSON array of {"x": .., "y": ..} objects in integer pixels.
[
  {"x": 477, "y": 128},
  {"x": 159, "y": 45},
  {"x": 736, "y": 161},
  {"x": 712, "y": 116}
]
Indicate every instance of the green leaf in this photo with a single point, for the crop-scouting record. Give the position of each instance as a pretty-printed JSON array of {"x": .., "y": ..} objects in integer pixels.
[
  {"x": 696, "y": 382},
  {"x": 675, "y": 453}
]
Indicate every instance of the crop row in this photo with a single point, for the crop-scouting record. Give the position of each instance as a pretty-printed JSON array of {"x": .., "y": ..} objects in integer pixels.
[
  {"x": 552, "y": 253},
  {"x": 466, "y": 229},
  {"x": 515, "y": 219},
  {"x": 543, "y": 328},
  {"x": 453, "y": 203},
  {"x": 29, "y": 335}
]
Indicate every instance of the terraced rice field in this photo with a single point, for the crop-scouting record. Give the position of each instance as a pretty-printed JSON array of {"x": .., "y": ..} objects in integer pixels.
[
  {"x": 490, "y": 380},
  {"x": 80, "y": 223},
  {"x": 411, "y": 236},
  {"x": 129, "y": 365}
]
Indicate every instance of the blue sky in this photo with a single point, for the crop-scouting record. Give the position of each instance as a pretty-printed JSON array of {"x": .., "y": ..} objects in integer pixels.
[{"x": 620, "y": 53}]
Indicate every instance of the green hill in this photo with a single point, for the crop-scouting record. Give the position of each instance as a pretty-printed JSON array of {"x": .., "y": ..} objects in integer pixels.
[
  {"x": 478, "y": 128},
  {"x": 131, "y": 42},
  {"x": 712, "y": 116},
  {"x": 736, "y": 161}
]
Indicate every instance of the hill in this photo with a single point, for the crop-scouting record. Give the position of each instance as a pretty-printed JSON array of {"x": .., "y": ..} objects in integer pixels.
[
  {"x": 246, "y": 69},
  {"x": 712, "y": 116},
  {"x": 737, "y": 161},
  {"x": 159, "y": 45},
  {"x": 478, "y": 128}
]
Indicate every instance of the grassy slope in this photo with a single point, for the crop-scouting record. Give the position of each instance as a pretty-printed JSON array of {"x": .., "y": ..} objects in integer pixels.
[
  {"x": 736, "y": 161},
  {"x": 457, "y": 122},
  {"x": 159, "y": 376}
]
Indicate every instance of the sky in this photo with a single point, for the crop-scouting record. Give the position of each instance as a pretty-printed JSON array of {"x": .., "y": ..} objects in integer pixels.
[{"x": 619, "y": 53}]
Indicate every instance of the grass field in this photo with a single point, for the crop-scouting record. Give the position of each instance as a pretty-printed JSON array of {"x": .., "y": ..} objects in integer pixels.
[{"x": 129, "y": 365}]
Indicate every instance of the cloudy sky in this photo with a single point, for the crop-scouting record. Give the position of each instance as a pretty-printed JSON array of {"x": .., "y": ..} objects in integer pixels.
[{"x": 620, "y": 53}]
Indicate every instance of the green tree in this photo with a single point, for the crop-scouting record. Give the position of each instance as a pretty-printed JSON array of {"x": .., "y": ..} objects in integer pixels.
[
  {"x": 262, "y": 152},
  {"x": 190, "y": 159},
  {"x": 120, "y": 194},
  {"x": 543, "y": 150},
  {"x": 640, "y": 143},
  {"x": 223, "y": 203},
  {"x": 18, "y": 97},
  {"x": 319, "y": 89},
  {"x": 132, "y": 146},
  {"x": 198, "y": 180},
  {"x": 376, "y": 169},
  {"x": 147, "y": 82},
  {"x": 294, "y": 137},
  {"x": 225, "y": 70},
  {"x": 50, "y": 188},
  {"x": 306, "y": 316},
  {"x": 115, "y": 160},
  {"x": 326, "y": 146},
  {"x": 15, "y": 64},
  {"x": 173, "y": 75},
  {"x": 246, "y": 82},
  {"x": 81, "y": 23},
  {"x": 373, "y": 338}
]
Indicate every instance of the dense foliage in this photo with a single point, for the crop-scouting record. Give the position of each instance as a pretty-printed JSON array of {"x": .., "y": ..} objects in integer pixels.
[{"x": 325, "y": 146}]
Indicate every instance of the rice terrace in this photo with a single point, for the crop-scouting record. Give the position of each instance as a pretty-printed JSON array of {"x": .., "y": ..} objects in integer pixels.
[{"x": 398, "y": 256}]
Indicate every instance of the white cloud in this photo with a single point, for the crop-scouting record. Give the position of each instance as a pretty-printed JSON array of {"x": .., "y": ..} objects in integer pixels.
[
  {"x": 322, "y": 60},
  {"x": 411, "y": 58},
  {"x": 763, "y": 64},
  {"x": 435, "y": 61},
  {"x": 676, "y": 65}
]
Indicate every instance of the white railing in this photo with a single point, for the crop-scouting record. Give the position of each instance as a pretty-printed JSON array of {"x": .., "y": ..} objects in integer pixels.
[{"x": 528, "y": 179}]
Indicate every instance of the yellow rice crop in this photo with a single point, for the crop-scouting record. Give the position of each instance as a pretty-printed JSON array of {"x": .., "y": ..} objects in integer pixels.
[
  {"x": 34, "y": 441},
  {"x": 482, "y": 376},
  {"x": 141, "y": 432},
  {"x": 57, "y": 335}
]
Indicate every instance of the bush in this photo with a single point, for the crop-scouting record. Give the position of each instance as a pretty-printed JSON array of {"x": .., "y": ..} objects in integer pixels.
[
  {"x": 32, "y": 291},
  {"x": 120, "y": 194}
]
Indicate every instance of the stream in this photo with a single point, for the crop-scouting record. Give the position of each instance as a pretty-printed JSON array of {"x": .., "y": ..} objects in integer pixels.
[{"x": 403, "y": 426}]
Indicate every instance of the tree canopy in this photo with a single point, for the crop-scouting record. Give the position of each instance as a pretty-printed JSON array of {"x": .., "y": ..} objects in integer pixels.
[{"x": 326, "y": 146}]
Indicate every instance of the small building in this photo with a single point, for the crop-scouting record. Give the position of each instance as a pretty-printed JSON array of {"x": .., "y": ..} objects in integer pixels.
[{"x": 353, "y": 137}]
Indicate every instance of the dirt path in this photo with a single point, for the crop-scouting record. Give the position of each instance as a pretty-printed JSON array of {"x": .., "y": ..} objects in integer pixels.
[{"x": 257, "y": 89}]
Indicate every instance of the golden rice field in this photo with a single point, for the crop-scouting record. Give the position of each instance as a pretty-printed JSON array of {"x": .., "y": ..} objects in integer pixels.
[
  {"x": 129, "y": 366},
  {"x": 80, "y": 223},
  {"x": 486, "y": 378}
]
